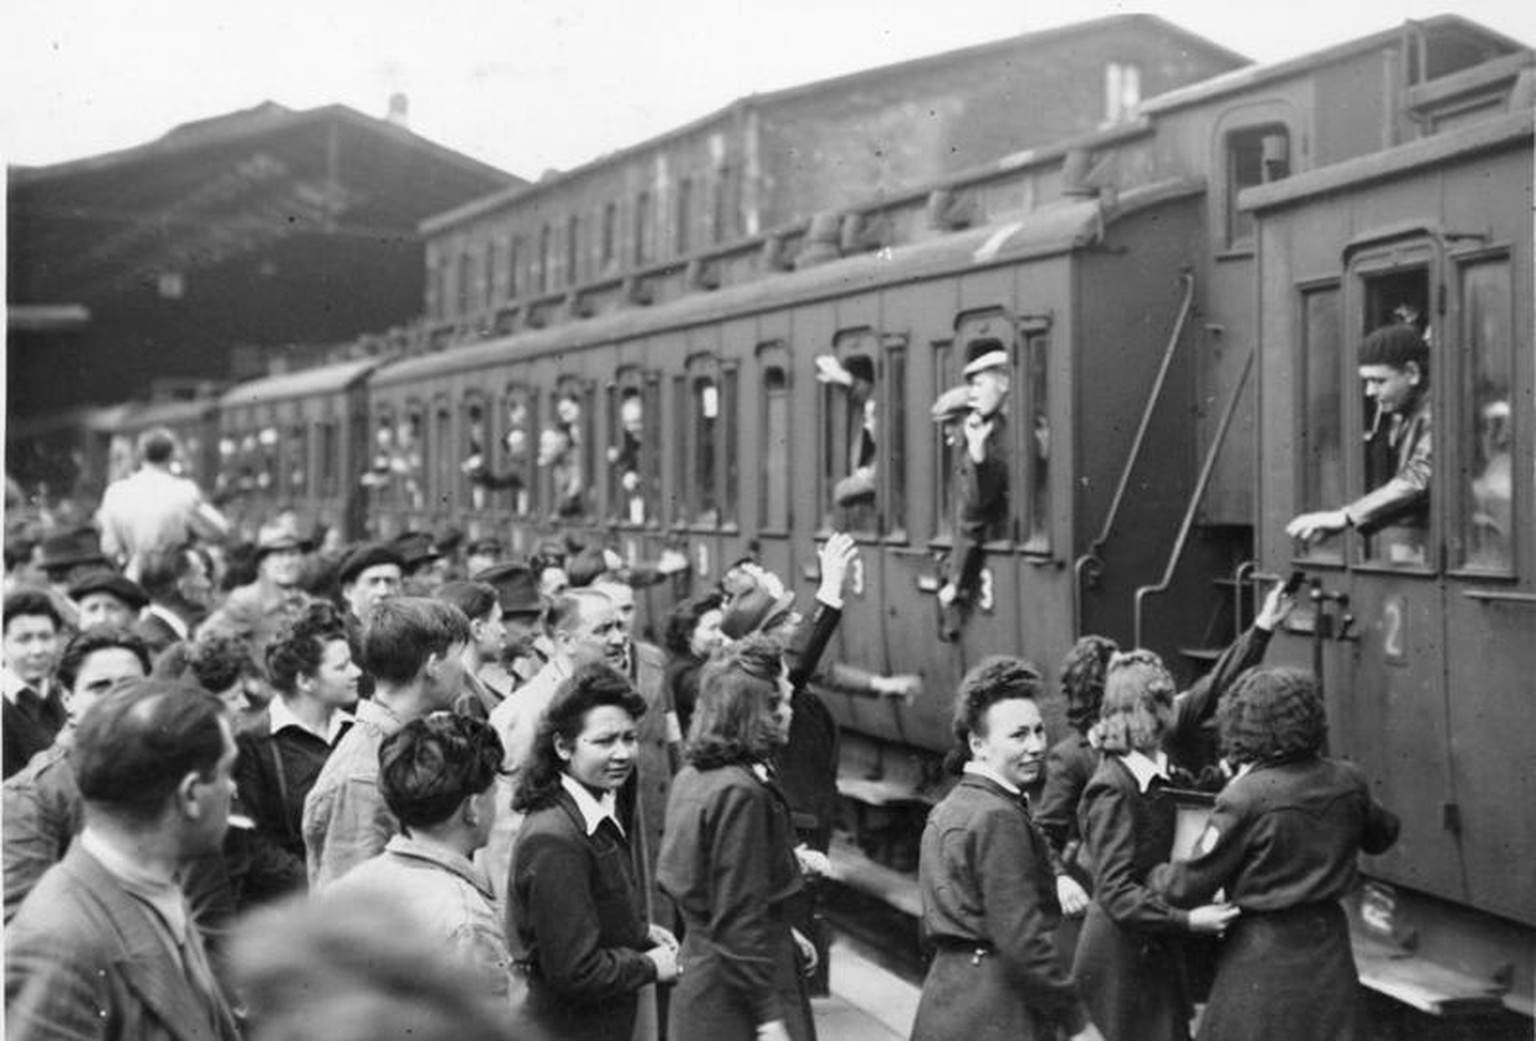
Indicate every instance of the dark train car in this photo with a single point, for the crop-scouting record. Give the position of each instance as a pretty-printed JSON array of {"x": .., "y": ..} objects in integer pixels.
[
  {"x": 296, "y": 441},
  {"x": 1424, "y": 633}
]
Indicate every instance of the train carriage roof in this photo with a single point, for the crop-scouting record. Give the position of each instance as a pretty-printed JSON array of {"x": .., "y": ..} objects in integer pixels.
[
  {"x": 169, "y": 413},
  {"x": 1054, "y": 230},
  {"x": 327, "y": 379}
]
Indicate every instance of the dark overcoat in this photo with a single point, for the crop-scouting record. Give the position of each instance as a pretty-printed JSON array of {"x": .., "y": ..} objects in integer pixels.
[
  {"x": 989, "y": 909},
  {"x": 728, "y": 863},
  {"x": 575, "y": 922},
  {"x": 1282, "y": 841}
]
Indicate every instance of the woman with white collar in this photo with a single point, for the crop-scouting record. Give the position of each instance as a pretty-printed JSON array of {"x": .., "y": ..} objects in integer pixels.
[
  {"x": 1129, "y": 963},
  {"x": 576, "y": 919}
]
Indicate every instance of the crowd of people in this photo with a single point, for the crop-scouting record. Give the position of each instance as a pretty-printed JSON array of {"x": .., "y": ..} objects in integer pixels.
[{"x": 427, "y": 788}]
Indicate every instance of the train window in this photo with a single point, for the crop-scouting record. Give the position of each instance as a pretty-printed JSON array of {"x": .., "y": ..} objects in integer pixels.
[
  {"x": 514, "y": 473},
  {"x": 896, "y": 437},
  {"x": 1398, "y": 296},
  {"x": 849, "y": 454},
  {"x": 330, "y": 452},
  {"x": 642, "y": 250},
  {"x": 1486, "y": 429},
  {"x": 700, "y": 444},
  {"x": 298, "y": 460},
  {"x": 774, "y": 483},
  {"x": 1122, "y": 90},
  {"x": 564, "y": 450},
  {"x": 379, "y": 477},
  {"x": 732, "y": 477},
  {"x": 440, "y": 460},
  {"x": 1037, "y": 435},
  {"x": 1254, "y": 155},
  {"x": 975, "y": 416},
  {"x": 409, "y": 438},
  {"x": 1322, "y": 394},
  {"x": 948, "y": 410},
  {"x": 475, "y": 463},
  {"x": 629, "y": 455}
]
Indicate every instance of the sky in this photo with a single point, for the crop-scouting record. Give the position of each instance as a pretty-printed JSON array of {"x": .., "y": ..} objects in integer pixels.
[{"x": 535, "y": 85}]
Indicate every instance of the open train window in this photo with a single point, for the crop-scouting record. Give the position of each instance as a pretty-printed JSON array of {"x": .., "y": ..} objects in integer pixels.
[
  {"x": 850, "y": 400},
  {"x": 410, "y": 437},
  {"x": 1395, "y": 295},
  {"x": 474, "y": 463},
  {"x": 379, "y": 477},
  {"x": 700, "y": 443},
  {"x": 1254, "y": 155},
  {"x": 632, "y": 453},
  {"x": 514, "y": 269},
  {"x": 565, "y": 449},
  {"x": 1321, "y": 445},
  {"x": 978, "y": 417},
  {"x": 513, "y": 472},
  {"x": 773, "y": 477},
  {"x": 297, "y": 471},
  {"x": 1485, "y": 433}
]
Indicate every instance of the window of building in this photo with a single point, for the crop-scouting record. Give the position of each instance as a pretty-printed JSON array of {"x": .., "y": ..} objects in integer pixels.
[
  {"x": 514, "y": 266},
  {"x": 684, "y": 214},
  {"x": 572, "y": 250},
  {"x": 773, "y": 476},
  {"x": 488, "y": 276},
  {"x": 727, "y": 202},
  {"x": 544, "y": 259},
  {"x": 610, "y": 234},
  {"x": 642, "y": 252},
  {"x": 1321, "y": 456},
  {"x": 1487, "y": 349},
  {"x": 1122, "y": 91},
  {"x": 1254, "y": 155},
  {"x": 466, "y": 282}
]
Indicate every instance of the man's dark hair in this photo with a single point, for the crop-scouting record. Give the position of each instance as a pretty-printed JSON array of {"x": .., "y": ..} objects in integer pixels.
[
  {"x": 160, "y": 570},
  {"x": 1395, "y": 345},
  {"x": 586, "y": 567},
  {"x": 134, "y": 746},
  {"x": 31, "y": 602},
  {"x": 729, "y": 718},
  {"x": 430, "y": 766},
  {"x": 216, "y": 661},
  {"x": 994, "y": 679},
  {"x": 405, "y": 631},
  {"x": 18, "y": 551},
  {"x": 475, "y": 599},
  {"x": 157, "y": 445},
  {"x": 299, "y": 647},
  {"x": 590, "y": 686},
  {"x": 1082, "y": 679},
  {"x": 101, "y": 638}
]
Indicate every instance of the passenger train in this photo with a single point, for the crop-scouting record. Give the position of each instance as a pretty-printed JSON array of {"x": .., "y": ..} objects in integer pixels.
[{"x": 1180, "y": 299}]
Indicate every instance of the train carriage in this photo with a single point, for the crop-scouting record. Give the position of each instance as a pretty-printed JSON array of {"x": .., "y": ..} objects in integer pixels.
[{"x": 1422, "y": 632}]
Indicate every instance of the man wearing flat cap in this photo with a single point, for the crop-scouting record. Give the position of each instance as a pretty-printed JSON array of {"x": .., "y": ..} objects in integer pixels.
[
  {"x": 981, "y": 497},
  {"x": 422, "y": 566},
  {"x": 256, "y": 612},
  {"x": 107, "y": 598},
  {"x": 1394, "y": 366},
  {"x": 526, "y": 648}
]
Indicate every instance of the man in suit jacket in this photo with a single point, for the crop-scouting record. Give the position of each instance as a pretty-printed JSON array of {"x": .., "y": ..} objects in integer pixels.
[{"x": 104, "y": 946}]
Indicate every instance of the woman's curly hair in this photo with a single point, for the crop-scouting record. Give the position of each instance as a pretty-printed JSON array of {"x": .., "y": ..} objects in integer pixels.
[
  {"x": 1082, "y": 679},
  {"x": 299, "y": 646},
  {"x": 683, "y": 620},
  {"x": 994, "y": 679},
  {"x": 593, "y": 685},
  {"x": 429, "y": 767},
  {"x": 1272, "y": 714},
  {"x": 730, "y": 719},
  {"x": 1138, "y": 703}
]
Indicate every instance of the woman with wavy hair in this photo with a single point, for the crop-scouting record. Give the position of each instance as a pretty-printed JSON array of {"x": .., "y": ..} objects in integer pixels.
[
  {"x": 1282, "y": 842},
  {"x": 989, "y": 899},
  {"x": 575, "y": 916},
  {"x": 1129, "y": 962},
  {"x": 728, "y": 862}
]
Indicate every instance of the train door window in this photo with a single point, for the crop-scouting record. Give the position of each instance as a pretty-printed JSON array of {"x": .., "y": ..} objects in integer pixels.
[
  {"x": 475, "y": 462},
  {"x": 1254, "y": 155},
  {"x": 1321, "y": 444},
  {"x": 849, "y": 452},
  {"x": 895, "y": 436},
  {"x": 627, "y": 443},
  {"x": 1393, "y": 296},
  {"x": 701, "y": 417},
  {"x": 514, "y": 472},
  {"x": 948, "y": 412},
  {"x": 330, "y": 452},
  {"x": 565, "y": 449},
  {"x": 297, "y": 474},
  {"x": 1486, "y": 432},
  {"x": 773, "y": 476},
  {"x": 1035, "y": 429}
]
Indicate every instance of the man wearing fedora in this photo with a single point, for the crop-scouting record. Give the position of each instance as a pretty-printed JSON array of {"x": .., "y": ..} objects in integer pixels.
[
  {"x": 981, "y": 491},
  {"x": 257, "y": 611},
  {"x": 105, "y": 597},
  {"x": 153, "y": 508}
]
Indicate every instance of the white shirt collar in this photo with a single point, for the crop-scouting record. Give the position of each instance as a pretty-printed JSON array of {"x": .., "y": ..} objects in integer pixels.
[
  {"x": 980, "y": 769},
  {"x": 170, "y": 618},
  {"x": 1146, "y": 768},
  {"x": 11, "y": 685},
  {"x": 283, "y": 716},
  {"x": 592, "y": 809}
]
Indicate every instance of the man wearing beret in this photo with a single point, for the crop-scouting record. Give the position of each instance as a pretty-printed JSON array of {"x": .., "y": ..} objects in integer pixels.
[
  {"x": 107, "y": 598},
  {"x": 1394, "y": 366},
  {"x": 369, "y": 574}
]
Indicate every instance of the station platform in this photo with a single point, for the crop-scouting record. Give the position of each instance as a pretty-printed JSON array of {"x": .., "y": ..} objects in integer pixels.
[{"x": 868, "y": 1002}]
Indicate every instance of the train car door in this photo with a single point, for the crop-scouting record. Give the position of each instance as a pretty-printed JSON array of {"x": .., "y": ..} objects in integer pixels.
[
  {"x": 1388, "y": 700},
  {"x": 1490, "y": 594}
]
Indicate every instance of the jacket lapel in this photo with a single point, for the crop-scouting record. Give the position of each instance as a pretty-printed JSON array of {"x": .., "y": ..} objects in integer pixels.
[{"x": 146, "y": 964}]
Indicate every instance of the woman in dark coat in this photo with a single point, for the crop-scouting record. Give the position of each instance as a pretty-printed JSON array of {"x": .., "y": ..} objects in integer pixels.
[
  {"x": 575, "y": 916},
  {"x": 1129, "y": 962},
  {"x": 693, "y": 633},
  {"x": 728, "y": 862},
  {"x": 1282, "y": 842},
  {"x": 989, "y": 898}
]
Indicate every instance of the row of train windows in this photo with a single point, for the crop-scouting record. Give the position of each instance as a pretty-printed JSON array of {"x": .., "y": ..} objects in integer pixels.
[
  {"x": 292, "y": 461},
  {"x": 564, "y": 254},
  {"x": 534, "y": 454},
  {"x": 1473, "y": 445}
]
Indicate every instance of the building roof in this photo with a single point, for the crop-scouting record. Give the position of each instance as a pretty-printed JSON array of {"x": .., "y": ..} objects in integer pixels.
[{"x": 223, "y": 188}]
